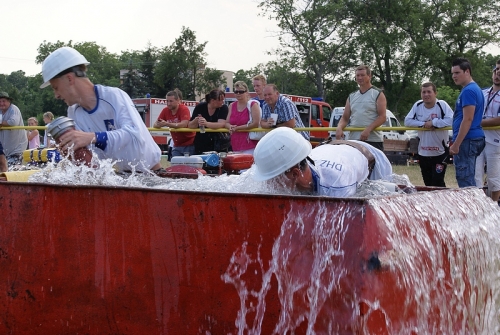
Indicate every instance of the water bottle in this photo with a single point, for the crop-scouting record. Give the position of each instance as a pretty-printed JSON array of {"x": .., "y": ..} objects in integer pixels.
[{"x": 202, "y": 128}]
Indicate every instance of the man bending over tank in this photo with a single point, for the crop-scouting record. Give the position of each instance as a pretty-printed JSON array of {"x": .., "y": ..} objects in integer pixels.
[
  {"x": 104, "y": 116},
  {"x": 334, "y": 169}
]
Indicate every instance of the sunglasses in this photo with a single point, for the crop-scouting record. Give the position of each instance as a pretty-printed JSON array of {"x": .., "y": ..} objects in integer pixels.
[{"x": 239, "y": 92}]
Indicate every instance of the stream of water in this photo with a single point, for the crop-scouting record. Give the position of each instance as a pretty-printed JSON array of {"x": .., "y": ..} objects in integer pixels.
[{"x": 438, "y": 270}]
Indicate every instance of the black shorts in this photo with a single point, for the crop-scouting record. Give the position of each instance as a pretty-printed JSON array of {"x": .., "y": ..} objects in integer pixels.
[{"x": 1, "y": 149}]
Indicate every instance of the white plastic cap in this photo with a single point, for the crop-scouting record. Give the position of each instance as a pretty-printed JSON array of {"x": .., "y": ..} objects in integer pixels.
[
  {"x": 278, "y": 151},
  {"x": 58, "y": 61}
]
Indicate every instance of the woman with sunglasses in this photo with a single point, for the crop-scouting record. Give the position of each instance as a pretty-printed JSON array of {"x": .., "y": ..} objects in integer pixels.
[{"x": 238, "y": 119}]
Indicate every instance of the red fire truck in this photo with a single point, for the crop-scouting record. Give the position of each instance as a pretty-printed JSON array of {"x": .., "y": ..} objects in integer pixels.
[
  {"x": 150, "y": 109},
  {"x": 313, "y": 112}
]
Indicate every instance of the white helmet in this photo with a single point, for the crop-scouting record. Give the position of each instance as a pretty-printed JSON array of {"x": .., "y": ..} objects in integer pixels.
[
  {"x": 58, "y": 61},
  {"x": 278, "y": 151}
]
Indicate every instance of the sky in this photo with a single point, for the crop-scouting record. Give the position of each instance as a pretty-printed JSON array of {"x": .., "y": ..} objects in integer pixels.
[{"x": 238, "y": 37}]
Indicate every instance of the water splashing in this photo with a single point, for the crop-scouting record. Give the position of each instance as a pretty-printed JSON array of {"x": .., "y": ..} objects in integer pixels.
[
  {"x": 406, "y": 265},
  {"x": 66, "y": 173}
]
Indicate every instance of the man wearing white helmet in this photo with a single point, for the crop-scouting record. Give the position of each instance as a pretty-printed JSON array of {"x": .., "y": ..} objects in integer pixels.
[
  {"x": 331, "y": 170},
  {"x": 104, "y": 116}
]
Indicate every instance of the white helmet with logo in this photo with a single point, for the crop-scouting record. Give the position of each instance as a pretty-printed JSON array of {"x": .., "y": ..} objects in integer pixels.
[
  {"x": 62, "y": 59},
  {"x": 278, "y": 151}
]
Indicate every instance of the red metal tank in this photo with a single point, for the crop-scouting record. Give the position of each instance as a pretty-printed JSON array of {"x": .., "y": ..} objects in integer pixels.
[{"x": 102, "y": 260}]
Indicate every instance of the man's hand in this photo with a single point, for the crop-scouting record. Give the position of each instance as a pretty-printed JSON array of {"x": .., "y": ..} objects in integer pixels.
[
  {"x": 364, "y": 135},
  {"x": 428, "y": 124},
  {"x": 160, "y": 123},
  {"x": 267, "y": 123},
  {"x": 454, "y": 149},
  {"x": 75, "y": 139},
  {"x": 339, "y": 134}
]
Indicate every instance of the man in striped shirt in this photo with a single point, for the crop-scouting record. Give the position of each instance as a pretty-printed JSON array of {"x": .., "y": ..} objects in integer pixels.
[{"x": 288, "y": 115}]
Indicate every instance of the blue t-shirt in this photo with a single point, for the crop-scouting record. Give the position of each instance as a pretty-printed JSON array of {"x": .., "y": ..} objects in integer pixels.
[
  {"x": 470, "y": 95},
  {"x": 261, "y": 102}
]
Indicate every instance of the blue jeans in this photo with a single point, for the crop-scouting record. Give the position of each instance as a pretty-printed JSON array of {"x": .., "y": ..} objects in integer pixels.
[
  {"x": 179, "y": 151},
  {"x": 465, "y": 161}
]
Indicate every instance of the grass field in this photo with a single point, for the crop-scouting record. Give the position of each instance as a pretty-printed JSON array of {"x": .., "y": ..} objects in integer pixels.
[{"x": 413, "y": 172}]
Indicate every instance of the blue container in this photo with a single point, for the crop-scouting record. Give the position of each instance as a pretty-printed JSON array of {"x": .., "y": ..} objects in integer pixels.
[{"x": 210, "y": 159}]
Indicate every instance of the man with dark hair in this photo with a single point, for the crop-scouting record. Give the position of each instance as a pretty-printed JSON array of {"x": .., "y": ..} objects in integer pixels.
[
  {"x": 431, "y": 114},
  {"x": 491, "y": 153},
  {"x": 468, "y": 135},
  {"x": 176, "y": 115},
  {"x": 365, "y": 108}
]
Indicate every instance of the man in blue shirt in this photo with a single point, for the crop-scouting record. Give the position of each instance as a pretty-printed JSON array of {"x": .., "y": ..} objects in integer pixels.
[
  {"x": 275, "y": 103},
  {"x": 468, "y": 135}
]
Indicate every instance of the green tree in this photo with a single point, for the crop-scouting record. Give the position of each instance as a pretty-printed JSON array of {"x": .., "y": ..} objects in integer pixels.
[
  {"x": 314, "y": 37},
  {"x": 339, "y": 91},
  {"x": 462, "y": 28},
  {"x": 392, "y": 42},
  {"x": 245, "y": 76},
  {"x": 32, "y": 98},
  {"x": 448, "y": 94},
  {"x": 18, "y": 79},
  {"x": 132, "y": 83},
  {"x": 409, "y": 40},
  {"x": 170, "y": 73},
  {"x": 180, "y": 64},
  {"x": 148, "y": 62},
  {"x": 208, "y": 80},
  {"x": 289, "y": 80}
]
